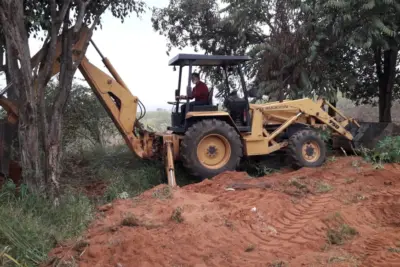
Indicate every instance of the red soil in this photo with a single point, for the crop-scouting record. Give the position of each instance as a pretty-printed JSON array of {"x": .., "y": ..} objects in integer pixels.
[{"x": 219, "y": 228}]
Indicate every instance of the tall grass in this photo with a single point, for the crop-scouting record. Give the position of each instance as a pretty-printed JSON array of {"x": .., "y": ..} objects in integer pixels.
[
  {"x": 125, "y": 174},
  {"x": 30, "y": 226}
]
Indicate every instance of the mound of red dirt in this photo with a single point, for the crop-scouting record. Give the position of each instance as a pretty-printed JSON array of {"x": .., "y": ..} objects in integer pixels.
[{"x": 346, "y": 213}]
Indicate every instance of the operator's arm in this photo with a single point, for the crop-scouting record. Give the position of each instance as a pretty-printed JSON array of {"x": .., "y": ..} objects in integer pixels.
[
  {"x": 193, "y": 93},
  {"x": 190, "y": 96}
]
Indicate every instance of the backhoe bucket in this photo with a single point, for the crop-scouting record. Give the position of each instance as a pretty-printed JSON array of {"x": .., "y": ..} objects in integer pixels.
[{"x": 367, "y": 136}]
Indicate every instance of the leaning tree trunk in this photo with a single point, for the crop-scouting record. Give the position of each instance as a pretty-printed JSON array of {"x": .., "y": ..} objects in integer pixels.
[
  {"x": 53, "y": 139},
  {"x": 53, "y": 136}
]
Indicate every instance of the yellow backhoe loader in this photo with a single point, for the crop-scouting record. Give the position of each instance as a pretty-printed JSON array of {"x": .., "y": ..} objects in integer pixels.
[{"x": 207, "y": 140}]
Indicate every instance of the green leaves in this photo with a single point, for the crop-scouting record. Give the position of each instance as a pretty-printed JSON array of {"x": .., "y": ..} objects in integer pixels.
[
  {"x": 38, "y": 15},
  {"x": 338, "y": 4},
  {"x": 308, "y": 46},
  {"x": 369, "y": 5},
  {"x": 378, "y": 23}
]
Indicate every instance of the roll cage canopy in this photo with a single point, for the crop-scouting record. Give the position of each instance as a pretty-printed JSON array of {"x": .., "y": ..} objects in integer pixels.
[
  {"x": 193, "y": 60},
  {"x": 207, "y": 60}
]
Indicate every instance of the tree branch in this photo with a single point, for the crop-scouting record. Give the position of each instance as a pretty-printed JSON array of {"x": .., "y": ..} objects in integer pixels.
[
  {"x": 81, "y": 14},
  {"x": 57, "y": 20},
  {"x": 90, "y": 34}
]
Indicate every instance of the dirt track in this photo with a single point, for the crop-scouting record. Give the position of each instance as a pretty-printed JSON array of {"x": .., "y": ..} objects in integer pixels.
[{"x": 289, "y": 224}]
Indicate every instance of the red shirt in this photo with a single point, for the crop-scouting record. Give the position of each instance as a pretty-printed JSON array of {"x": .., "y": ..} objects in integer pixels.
[{"x": 200, "y": 92}]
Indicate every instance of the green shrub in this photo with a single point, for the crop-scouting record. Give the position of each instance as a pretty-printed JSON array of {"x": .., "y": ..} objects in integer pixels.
[{"x": 387, "y": 150}]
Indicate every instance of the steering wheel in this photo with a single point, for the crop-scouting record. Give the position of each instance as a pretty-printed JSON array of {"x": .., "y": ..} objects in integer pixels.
[{"x": 174, "y": 102}]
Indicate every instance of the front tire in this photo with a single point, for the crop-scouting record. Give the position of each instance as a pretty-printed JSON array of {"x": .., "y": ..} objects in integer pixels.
[
  {"x": 307, "y": 149},
  {"x": 210, "y": 147}
]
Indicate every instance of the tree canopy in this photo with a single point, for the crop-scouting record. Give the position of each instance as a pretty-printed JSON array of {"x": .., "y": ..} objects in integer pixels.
[
  {"x": 40, "y": 131},
  {"x": 299, "y": 48}
]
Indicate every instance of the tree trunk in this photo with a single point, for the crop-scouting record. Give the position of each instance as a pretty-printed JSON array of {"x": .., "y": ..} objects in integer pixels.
[
  {"x": 386, "y": 78},
  {"x": 20, "y": 70},
  {"x": 32, "y": 109},
  {"x": 11, "y": 147},
  {"x": 390, "y": 58}
]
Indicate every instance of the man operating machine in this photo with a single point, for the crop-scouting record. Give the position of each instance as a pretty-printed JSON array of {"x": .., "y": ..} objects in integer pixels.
[{"x": 199, "y": 94}]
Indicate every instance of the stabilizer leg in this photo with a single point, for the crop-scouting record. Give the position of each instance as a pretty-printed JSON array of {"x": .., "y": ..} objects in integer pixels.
[{"x": 169, "y": 164}]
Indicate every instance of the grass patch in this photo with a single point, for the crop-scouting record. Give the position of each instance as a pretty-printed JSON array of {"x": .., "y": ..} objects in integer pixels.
[
  {"x": 299, "y": 185},
  {"x": 278, "y": 264},
  {"x": 296, "y": 183},
  {"x": 130, "y": 220},
  {"x": 177, "y": 215},
  {"x": 323, "y": 187},
  {"x": 163, "y": 193},
  {"x": 124, "y": 173},
  {"x": 335, "y": 259},
  {"x": 338, "y": 232},
  {"x": 301, "y": 188},
  {"x": 343, "y": 233},
  {"x": 394, "y": 250},
  {"x": 350, "y": 259},
  {"x": 30, "y": 226},
  {"x": 349, "y": 180}
]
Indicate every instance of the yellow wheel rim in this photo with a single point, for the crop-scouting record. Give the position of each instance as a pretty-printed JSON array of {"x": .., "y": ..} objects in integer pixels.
[
  {"x": 214, "y": 151},
  {"x": 311, "y": 151}
]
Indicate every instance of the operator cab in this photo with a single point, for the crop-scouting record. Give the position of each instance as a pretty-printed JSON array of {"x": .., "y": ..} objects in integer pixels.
[{"x": 238, "y": 107}]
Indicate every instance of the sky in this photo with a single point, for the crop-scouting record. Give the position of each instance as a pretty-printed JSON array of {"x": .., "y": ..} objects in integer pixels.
[{"x": 138, "y": 53}]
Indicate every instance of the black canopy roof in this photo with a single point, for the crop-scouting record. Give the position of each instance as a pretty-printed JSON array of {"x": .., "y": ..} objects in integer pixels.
[{"x": 207, "y": 60}]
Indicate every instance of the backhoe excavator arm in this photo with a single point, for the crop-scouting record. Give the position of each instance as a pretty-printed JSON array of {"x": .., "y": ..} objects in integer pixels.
[{"x": 111, "y": 91}]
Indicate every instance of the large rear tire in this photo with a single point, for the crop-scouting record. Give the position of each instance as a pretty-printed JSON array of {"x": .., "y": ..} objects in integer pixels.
[
  {"x": 210, "y": 147},
  {"x": 307, "y": 149}
]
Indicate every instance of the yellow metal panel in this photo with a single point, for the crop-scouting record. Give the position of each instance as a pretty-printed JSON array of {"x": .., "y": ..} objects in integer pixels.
[
  {"x": 256, "y": 125},
  {"x": 308, "y": 107},
  {"x": 255, "y": 147},
  {"x": 260, "y": 147},
  {"x": 206, "y": 114},
  {"x": 103, "y": 84}
]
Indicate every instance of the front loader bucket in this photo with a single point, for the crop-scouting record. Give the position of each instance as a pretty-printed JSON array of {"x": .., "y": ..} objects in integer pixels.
[{"x": 367, "y": 136}]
